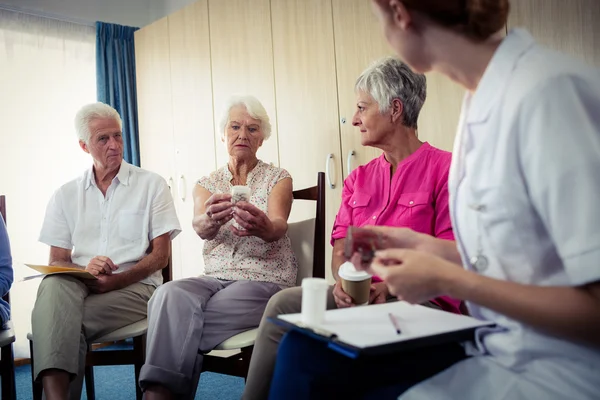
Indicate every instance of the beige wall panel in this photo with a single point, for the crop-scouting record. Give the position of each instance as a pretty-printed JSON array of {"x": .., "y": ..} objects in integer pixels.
[
  {"x": 242, "y": 62},
  {"x": 194, "y": 143},
  {"x": 153, "y": 79},
  {"x": 359, "y": 41},
  {"x": 570, "y": 26},
  {"x": 307, "y": 106}
]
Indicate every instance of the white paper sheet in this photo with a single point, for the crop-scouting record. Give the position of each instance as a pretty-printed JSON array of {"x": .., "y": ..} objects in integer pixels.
[{"x": 369, "y": 326}]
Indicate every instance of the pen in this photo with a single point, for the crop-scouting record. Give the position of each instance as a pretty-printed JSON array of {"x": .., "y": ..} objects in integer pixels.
[{"x": 395, "y": 323}]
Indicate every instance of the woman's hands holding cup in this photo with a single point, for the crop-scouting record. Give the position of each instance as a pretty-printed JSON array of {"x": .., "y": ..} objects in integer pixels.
[
  {"x": 252, "y": 220},
  {"x": 219, "y": 209}
]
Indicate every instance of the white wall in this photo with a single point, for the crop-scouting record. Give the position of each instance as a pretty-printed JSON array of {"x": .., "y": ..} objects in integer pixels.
[{"x": 125, "y": 12}]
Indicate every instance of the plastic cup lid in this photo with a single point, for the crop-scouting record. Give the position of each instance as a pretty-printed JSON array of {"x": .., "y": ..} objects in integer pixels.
[
  {"x": 314, "y": 283},
  {"x": 348, "y": 272}
]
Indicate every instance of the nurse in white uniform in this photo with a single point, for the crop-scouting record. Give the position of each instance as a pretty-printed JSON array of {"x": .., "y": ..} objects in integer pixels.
[{"x": 525, "y": 199}]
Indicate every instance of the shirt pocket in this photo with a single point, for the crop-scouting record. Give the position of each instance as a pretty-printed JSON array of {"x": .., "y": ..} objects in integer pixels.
[
  {"x": 359, "y": 203},
  {"x": 415, "y": 210},
  {"x": 131, "y": 224}
]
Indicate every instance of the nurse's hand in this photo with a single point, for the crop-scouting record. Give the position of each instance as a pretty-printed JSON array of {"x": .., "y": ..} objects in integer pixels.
[
  {"x": 405, "y": 238},
  {"x": 414, "y": 276}
]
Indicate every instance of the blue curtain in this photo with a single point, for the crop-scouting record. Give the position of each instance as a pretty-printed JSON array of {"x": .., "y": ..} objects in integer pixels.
[{"x": 115, "y": 79}]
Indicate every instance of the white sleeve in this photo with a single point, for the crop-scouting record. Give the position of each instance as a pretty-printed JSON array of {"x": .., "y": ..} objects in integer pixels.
[
  {"x": 559, "y": 129},
  {"x": 55, "y": 229},
  {"x": 163, "y": 218}
]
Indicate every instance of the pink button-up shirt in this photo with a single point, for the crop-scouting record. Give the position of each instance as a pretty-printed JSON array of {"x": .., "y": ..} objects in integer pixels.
[{"x": 415, "y": 197}]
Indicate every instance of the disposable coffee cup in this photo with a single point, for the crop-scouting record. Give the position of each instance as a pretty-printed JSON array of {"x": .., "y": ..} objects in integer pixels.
[
  {"x": 240, "y": 193},
  {"x": 314, "y": 300},
  {"x": 356, "y": 284}
]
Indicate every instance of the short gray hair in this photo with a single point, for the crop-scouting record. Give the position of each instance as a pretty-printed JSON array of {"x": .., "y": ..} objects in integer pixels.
[
  {"x": 388, "y": 79},
  {"x": 91, "y": 112},
  {"x": 253, "y": 107}
]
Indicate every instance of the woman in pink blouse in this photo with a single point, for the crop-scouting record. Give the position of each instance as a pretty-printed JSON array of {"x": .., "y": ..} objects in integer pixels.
[
  {"x": 406, "y": 187},
  {"x": 247, "y": 253}
]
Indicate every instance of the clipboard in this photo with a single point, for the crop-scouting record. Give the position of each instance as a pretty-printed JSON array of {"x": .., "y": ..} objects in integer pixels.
[
  {"x": 54, "y": 270},
  {"x": 367, "y": 330}
]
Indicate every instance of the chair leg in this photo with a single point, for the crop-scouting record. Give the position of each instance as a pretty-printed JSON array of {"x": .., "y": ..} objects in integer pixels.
[
  {"x": 9, "y": 387},
  {"x": 89, "y": 382},
  {"x": 36, "y": 386},
  {"x": 246, "y": 355},
  {"x": 139, "y": 351}
]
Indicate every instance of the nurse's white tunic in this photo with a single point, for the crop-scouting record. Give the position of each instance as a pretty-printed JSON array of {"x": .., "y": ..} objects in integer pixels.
[{"x": 525, "y": 190}]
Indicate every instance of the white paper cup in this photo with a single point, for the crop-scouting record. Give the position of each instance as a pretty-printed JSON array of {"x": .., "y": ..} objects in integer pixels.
[
  {"x": 314, "y": 300},
  {"x": 240, "y": 193}
]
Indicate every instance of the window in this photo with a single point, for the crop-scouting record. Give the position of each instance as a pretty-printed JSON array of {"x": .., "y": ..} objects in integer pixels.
[{"x": 47, "y": 72}]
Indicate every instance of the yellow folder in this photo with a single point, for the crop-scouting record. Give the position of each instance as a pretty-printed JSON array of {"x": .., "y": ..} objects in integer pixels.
[{"x": 50, "y": 270}]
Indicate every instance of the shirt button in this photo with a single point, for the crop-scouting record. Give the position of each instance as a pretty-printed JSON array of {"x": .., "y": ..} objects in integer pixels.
[
  {"x": 104, "y": 240},
  {"x": 411, "y": 202},
  {"x": 374, "y": 216},
  {"x": 354, "y": 202}
]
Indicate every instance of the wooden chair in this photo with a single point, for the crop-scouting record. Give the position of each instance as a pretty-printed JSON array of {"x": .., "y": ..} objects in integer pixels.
[
  {"x": 7, "y": 338},
  {"x": 136, "y": 355},
  {"x": 308, "y": 243}
]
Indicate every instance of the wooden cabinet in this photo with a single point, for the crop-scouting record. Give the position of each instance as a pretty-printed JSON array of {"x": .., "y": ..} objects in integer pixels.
[
  {"x": 241, "y": 51},
  {"x": 358, "y": 43},
  {"x": 568, "y": 26},
  {"x": 155, "y": 114},
  {"x": 306, "y": 92},
  {"x": 193, "y": 146}
]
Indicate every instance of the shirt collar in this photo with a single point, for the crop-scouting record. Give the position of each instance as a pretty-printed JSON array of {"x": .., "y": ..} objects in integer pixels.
[
  {"x": 383, "y": 163},
  {"x": 123, "y": 175},
  {"x": 494, "y": 80}
]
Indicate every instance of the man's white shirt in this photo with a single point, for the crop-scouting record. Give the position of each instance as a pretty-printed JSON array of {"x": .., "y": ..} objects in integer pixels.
[{"x": 138, "y": 207}]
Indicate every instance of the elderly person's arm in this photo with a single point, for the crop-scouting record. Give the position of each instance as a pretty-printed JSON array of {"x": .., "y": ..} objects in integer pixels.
[
  {"x": 154, "y": 261},
  {"x": 271, "y": 226},
  {"x": 6, "y": 270}
]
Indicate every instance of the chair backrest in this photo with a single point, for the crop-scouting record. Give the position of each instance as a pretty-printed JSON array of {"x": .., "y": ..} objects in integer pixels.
[
  {"x": 308, "y": 236},
  {"x": 6, "y": 297}
]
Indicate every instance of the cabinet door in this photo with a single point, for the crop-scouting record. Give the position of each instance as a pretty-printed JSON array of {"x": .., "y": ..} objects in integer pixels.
[
  {"x": 359, "y": 42},
  {"x": 192, "y": 123},
  {"x": 568, "y": 26},
  {"x": 307, "y": 107},
  {"x": 242, "y": 62},
  {"x": 153, "y": 80}
]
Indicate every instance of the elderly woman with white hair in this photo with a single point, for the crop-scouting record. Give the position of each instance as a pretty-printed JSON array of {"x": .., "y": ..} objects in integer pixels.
[{"x": 247, "y": 253}]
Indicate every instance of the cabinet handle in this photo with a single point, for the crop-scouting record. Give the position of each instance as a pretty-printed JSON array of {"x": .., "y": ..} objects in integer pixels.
[
  {"x": 349, "y": 168},
  {"x": 181, "y": 187},
  {"x": 170, "y": 183},
  {"x": 327, "y": 171}
]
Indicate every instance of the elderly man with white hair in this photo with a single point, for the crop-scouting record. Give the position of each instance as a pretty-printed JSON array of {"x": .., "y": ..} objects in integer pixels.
[
  {"x": 116, "y": 221},
  {"x": 247, "y": 253}
]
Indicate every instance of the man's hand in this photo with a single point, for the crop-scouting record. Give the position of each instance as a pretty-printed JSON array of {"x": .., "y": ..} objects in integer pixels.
[
  {"x": 379, "y": 293},
  {"x": 101, "y": 265},
  {"x": 342, "y": 300},
  {"x": 104, "y": 284}
]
